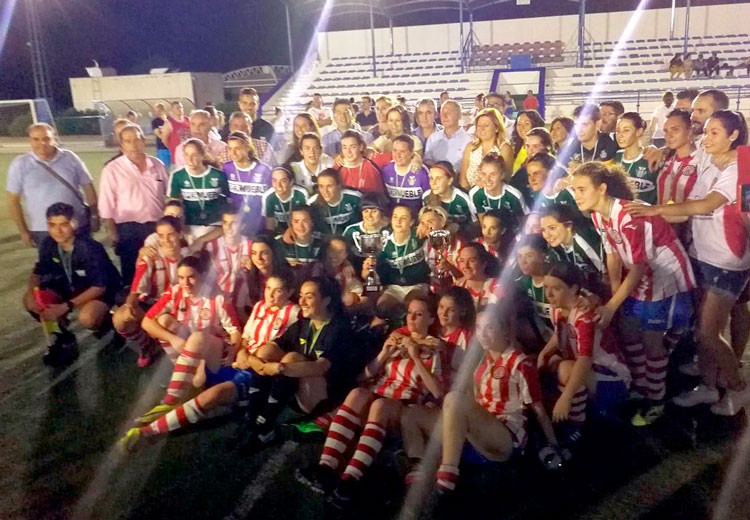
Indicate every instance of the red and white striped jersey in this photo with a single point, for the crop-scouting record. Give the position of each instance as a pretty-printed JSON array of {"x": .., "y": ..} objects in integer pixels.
[
  {"x": 456, "y": 346},
  {"x": 154, "y": 276},
  {"x": 485, "y": 296},
  {"x": 265, "y": 325},
  {"x": 227, "y": 262},
  {"x": 651, "y": 242},
  {"x": 579, "y": 336},
  {"x": 677, "y": 178},
  {"x": 720, "y": 238},
  {"x": 452, "y": 256},
  {"x": 197, "y": 313},
  {"x": 504, "y": 386},
  {"x": 400, "y": 379}
]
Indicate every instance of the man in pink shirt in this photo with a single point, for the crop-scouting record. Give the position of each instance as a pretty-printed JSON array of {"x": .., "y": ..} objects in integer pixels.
[
  {"x": 133, "y": 189},
  {"x": 531, "y": 102},
  {"x": 200, "y": 127}
]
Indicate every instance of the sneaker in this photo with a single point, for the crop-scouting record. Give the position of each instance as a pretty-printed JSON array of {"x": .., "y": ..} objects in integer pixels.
[
  {"x": 551, "y": 458},
  {"x": 344, "y": 493},
  {"x": 732, "y": 402},
  {"x": 319, "y": 478},
  {"x": 154, "y": 413},
  {"x": 701, "y": 394},
  {"x": 647, "y": 416},
  {"x": 130, "y": 442},
  {"x": 690, "y": 369}
]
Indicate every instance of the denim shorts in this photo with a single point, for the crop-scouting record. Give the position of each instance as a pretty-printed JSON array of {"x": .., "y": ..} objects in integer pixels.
[{"x": 722, "y": 281}]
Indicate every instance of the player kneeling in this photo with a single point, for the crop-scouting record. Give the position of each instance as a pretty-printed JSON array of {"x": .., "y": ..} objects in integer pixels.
[
  {"x": 73, "y": 273},
  {"x": 407, "y": 370},
  {"x": 154, "y": 276},
  {"x": 490, "y": 416},
  {"x": 228, "y": 386}
]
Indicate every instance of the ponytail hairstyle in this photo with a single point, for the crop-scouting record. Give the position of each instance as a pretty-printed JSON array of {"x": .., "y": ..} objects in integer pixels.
[
  {"x": 329, "y": 288},
  {"x": 496, "y": 160},
  {"x": 490, "y": 265},
  {"x": 636, "y": 119},
  {"x": 208, "y": 160},
  {"x": 617, "y": 180},
  {"x": 562, "y": 213},
  {"x": 732, "y": 121},
  {"x": 252, "y": 153}
]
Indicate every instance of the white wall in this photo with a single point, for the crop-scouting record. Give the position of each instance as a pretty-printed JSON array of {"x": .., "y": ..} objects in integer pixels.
[
  {"x": 704, "y": 20},
  {"x": 208, "y": 87}
]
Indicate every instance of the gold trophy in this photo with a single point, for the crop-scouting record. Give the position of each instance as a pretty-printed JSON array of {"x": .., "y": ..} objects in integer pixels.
[{"x": 440, "y": 240}]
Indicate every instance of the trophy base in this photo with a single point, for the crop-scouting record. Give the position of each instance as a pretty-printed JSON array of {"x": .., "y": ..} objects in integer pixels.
[{"x": 372, "y": 289}]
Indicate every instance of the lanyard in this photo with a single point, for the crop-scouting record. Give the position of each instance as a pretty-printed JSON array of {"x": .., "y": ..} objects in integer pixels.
[
  {"x": 201, "y": 200},
  {"x": 66, "y": 258},
  {"x": 593, "y": 157},
  {"x": 312, "y": 337},
  {"x": 334, "y": 227}
]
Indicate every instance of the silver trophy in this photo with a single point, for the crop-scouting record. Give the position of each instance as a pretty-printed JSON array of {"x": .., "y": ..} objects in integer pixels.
[
  {"x": 440, "y": 240},
  {"x": 372, "y": 245}
]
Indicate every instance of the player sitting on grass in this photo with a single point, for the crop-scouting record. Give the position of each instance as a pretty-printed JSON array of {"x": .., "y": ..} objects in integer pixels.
[
  {"x": 73, "y": 273},
  {"x": 193, "y": 321},
  {"x": 407, "y": 370},
  {"x": 154, "y": 275},
  {"x": 227, "y": 386}
]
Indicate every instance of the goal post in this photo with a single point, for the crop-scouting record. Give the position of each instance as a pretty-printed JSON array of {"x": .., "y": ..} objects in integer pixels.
[{"x": 17, "y": 114}]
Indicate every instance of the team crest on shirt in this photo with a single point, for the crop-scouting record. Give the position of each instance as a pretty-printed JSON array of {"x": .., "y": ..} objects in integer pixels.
[
  {"x": 615, "y": 236},
  {"x": 689, "y": 170},
  {"x": 215, "y": 183},
  {"x": 499, "y": 372},
  {"x": 641, "y": 172},
  {"x": 205, "y": 314},
  {"x": 603, "y": 154},
  {"x": 412, "y": 181},
  {"x": 278, "y": 322},
  {"x": 348, "y": 207},
  {"x": 186, "y": 184}
]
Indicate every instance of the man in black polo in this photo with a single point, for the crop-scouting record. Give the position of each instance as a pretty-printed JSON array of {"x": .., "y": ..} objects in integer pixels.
[{"x": 73, "y": 274}]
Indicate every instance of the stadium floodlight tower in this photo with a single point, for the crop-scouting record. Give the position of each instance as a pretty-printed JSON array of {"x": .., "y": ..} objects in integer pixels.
[{"x": 39, "y": 68}]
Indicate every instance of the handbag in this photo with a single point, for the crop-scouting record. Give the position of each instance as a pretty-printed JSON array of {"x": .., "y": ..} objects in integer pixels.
[{"x": 92, "y": 222}]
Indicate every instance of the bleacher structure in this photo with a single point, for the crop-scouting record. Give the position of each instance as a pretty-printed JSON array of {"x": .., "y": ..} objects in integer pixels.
[{"x": 637, "y": 74}]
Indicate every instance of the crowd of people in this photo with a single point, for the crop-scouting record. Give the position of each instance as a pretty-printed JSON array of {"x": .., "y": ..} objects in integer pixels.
[{"x": 399, "y": 274}]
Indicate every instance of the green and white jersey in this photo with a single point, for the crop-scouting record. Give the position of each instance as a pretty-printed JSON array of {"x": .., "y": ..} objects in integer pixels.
[
  {"x": 298, "y": 254},
  {"x": 460, "y": 208},
  {"x": 644, "y": 180},
  {"x": 203, "y": 195},
  {"x": 510, "y": 199},
  {"x": 353, "y": 235},
  {"x": 403, "y": 264},
  {"x": 334, "y": 219},
  {"x": 585, "y": 254},
  {"x": 535, "y": 293},
  {"x": 281, "y": 210}
]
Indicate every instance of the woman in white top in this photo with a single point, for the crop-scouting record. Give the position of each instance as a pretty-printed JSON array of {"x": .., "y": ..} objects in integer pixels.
[
  {"x": 313, "y": 161},
  {"x": 398, "y": 124},
  {"x": 489, "y": 136},
  {"x": 720, "y": 253}
]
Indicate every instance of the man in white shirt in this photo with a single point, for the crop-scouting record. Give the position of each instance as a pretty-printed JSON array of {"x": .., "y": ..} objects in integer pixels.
[
  {"x": 322, "y": 114},
  {"x": 656, "y": 127},
  {"x": 449, "y": 143}
]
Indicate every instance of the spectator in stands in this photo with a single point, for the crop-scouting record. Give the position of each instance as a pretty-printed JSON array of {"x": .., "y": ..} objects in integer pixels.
[
  {"x": 712, "y": 64},
  {"x": 699, "y": 65},
  {"x": 200, "y": 128},
  {"x": 526, "y": 120},
  {"x": 497, "y": 101},
  {"x": 488, "y": 137},
  {"x": 675, "y": 66},
  {"x": 159, "y": 120},
  {"x": 610, "y": 112},
  {"x": 176, "y": 129},
  {"x": 531, "y": 102},
  {"x": 302, "y": 124},
  {"x": 249, "y": 103},
  {"x": 382, "y": 105},
  {"x": 449, "y": 143},
  {"x": 685, "y": 99},
  {"x": 313, "y": 162},
  {"x": 342, "y": 119},
  {"x": 510, "y": 104},
  {"x": 241, "y": 122},
  {"x": 131, "y": 199},
  {"x": 30, "y": 178},
  {"x": 656, "y": 126},
  {"x": 687, "y": 65},
  {"x": 322, "y": 114},
  {"x": 424, "y": 120},
  {"x": 366, "y": 118}
]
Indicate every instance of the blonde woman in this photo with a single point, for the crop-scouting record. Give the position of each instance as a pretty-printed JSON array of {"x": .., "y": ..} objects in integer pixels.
[{"x": 489, "y": 136}]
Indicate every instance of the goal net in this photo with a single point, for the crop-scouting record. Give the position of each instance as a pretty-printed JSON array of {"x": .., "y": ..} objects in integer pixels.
[{"x": 17, "y": 114}]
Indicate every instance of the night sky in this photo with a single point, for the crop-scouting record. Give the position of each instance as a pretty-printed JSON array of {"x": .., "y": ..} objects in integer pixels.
[{"x": 195, "y": 35}]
